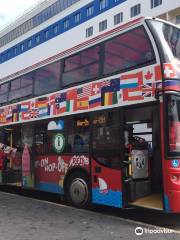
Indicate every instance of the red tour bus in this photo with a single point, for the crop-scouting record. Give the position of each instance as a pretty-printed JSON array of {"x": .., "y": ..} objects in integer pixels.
[{"x": 110, "y": 134}]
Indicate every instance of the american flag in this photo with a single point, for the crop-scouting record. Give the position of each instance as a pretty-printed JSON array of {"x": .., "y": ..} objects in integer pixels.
[{"x": 84, "y": 91}]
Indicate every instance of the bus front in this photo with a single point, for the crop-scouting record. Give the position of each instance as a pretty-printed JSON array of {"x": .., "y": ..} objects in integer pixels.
[{"x": 167, "y": 37}]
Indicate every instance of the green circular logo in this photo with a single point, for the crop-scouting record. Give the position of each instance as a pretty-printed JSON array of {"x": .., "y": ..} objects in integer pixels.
[{"x": 59, "y": 143}]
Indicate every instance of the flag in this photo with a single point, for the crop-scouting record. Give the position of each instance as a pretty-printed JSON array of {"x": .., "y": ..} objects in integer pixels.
[
  {"x": 42, "y": 106},
  {"x": 9, "y": 117},
  {"x": 69, "y": 105},
  {"x": 34, "y": 113},
  {"x": 105, "y": 83},
  {"x": 95, "y": 97},
  {"x": 112, "y": 85},
  {"x": 148, "y": 90},
  {"x": 60, "y": 102},
  {"x": 42, "y": 103},
  {"x": 15, "y": 113},
  {"x": 43, "y": 112},
  {"x": 96, "y": 88},
  {"x": 148, "y": 75},
  {"x": 169, "y": 71},
  {"x": 71, "y": 94},
  {"x": 171, "y": 85},
  {"x": 81, "y": 104},
  {"x": 2, "y": 118},
  {"x": 110, "y": 98},
  {"x": 25, "y": 106},
  {"x": 158, "y": 73},
  {"x": 84, "y": 91},
  {"x": 95, "y": 101},
  {"x": 131, "y": 80},
  {"x": 61, "y": 107},
  {"x": 52, "y": 105},
  {"x": 134, "y": 94}
]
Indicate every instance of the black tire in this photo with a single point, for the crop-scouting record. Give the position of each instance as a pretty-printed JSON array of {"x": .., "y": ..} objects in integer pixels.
[{"x": 77, "y": 190}]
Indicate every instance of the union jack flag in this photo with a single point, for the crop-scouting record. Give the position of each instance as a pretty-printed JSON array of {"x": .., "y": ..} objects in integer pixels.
[
  {"x": 148, "y": 90},
  {"x": 105, "y": 83},
  {"x": 34, "y": 113}
]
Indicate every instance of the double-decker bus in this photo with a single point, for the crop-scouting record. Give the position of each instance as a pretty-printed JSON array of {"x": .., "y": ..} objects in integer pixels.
[{"x": 99, "y": 122}]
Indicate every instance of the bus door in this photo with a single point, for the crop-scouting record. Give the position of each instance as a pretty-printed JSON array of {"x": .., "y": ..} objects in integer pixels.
[
  {"x": 142, "y": 171},
  {"x": 12, "y": 156},
  {"x": 106, "y": 159}
]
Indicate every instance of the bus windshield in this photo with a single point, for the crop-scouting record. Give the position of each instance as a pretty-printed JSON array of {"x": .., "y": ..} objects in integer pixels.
[
  {"x": 169, "y": 39},
  {"x": 173, "y": 109}
]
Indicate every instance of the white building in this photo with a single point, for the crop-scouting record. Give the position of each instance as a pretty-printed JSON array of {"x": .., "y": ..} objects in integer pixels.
[{"x": 54, "y": 26}]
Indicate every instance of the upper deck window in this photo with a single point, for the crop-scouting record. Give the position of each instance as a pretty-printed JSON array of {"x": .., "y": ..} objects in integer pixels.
[
  {"x": 103, "y": 4},
  {"x": 82, "y": 66},
  {"x": 155, "y": 3},
  {"x": 21, "y": 87},
  {"x": 4, "y": 88},
  {"x": 168, "y": 38},
  {"x": 47, "y": 79},
  {"x": 129, "y": 50}
]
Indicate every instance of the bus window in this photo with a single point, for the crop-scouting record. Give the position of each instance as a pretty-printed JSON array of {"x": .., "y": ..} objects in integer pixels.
[
  {"x": 82, "y": 66},
  {"x": 21, "y": 87},
  {"x": 169, "y": 39},
  {"x": 4, "y": 88},
  {"x": 47, "y": 79},
  {"x": 128, "y": 50},
  {"x": 78, "y": 135},
  {"x": 173, "y": 107},
  {"x": 41, "y": 139},
  {"x": 106, "y": 140}
]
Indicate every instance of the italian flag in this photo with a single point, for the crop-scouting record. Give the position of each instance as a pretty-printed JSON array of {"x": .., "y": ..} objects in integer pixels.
[{"x": 69, "y": 105}]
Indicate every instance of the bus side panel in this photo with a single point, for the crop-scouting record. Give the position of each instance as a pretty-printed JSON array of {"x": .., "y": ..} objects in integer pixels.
[
  {"x": 172, "y": 182},
  {"x": 106, "y": 185},
  {"x": 171, "y": 186},
  {"x": 50, "y": 171}
]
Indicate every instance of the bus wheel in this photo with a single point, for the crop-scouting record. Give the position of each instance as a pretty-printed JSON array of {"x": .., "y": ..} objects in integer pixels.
[{"x": 77, "y": 190}]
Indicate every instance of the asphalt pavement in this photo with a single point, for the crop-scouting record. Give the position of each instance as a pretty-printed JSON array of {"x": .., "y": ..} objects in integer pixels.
[{"x": 23, "y": 218}]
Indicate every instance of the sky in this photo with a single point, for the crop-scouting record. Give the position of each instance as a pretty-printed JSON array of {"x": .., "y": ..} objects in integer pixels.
[{"x": 10, "y": 9}]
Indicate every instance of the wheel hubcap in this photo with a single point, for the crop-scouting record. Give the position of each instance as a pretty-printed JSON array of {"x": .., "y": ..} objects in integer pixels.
[{"x": 79, "y": 191}]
